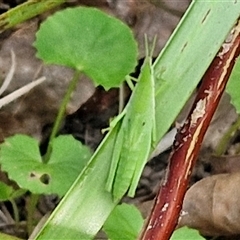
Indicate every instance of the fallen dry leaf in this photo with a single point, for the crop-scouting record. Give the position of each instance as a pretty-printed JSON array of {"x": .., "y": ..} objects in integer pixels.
[{"x": 212, "y": 205}]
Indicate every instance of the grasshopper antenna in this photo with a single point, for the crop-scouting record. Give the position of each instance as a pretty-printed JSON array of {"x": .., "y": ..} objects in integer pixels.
[{"x": 149, "y": 50}]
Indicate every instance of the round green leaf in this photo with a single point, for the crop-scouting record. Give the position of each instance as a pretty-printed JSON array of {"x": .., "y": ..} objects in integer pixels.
[
  {"x": 5, "y": 192},
  {"x": 186, "y": 233},
  {"x": 8, "y": 237},
  {"x": 21, "y": 159},
  {"x": 125, "y": 220},
  {"x": 91, "y": 41}
]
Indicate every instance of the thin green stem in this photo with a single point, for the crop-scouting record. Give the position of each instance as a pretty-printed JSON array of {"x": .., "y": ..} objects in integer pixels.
[
  {"x": 223, "y": 144},
  {"x": 31, "y": 208},
  {"x": 61, "y": 113},
  {"x": 15, "y": 211},
  {"x": 121, "y": 99}
]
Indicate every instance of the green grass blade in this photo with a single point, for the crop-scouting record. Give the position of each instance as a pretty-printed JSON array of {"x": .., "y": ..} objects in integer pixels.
[
  {"x": 87, "y": 204},
  {"x": 179, "y": 68},
  {"x": 26, "y": 11},
  {"x": 233, "y": 86},
  {"x": 187, "y": 55}
]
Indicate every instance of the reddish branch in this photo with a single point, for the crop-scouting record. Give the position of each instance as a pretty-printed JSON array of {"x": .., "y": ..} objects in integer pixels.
[{"x": 168, "y": 203}]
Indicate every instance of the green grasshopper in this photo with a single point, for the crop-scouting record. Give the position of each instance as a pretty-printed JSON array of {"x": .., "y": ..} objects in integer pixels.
[{"x": 135, "y": 137}]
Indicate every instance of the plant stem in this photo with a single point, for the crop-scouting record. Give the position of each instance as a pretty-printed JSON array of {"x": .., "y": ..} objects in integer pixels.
[
  {"x": 223, "y": 144},
  {"x": 26, "y": 11},
  {"x": 15, "y": 212},
  {"x": 31, "y": 207},
  {"x": 61, "y": 114},
  {"x": 168, "y": 203},
  {"x": 121, "y": 99}
]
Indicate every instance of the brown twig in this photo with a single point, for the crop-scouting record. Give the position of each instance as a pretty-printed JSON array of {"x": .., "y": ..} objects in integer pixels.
[{"x": 168, "y": 203}]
